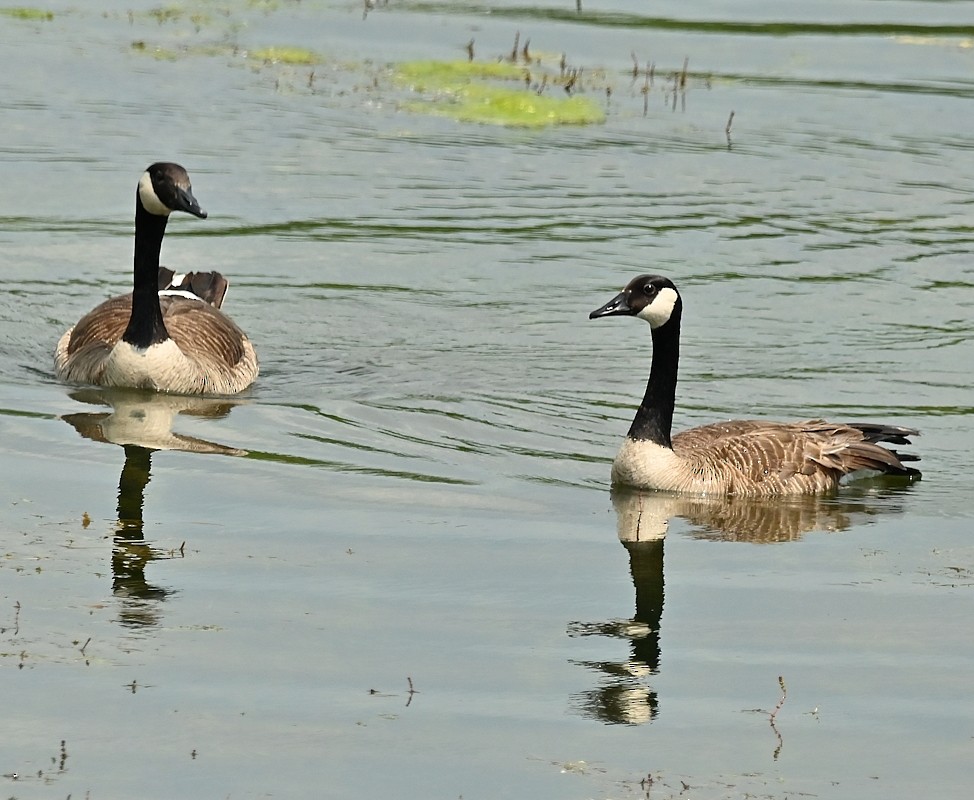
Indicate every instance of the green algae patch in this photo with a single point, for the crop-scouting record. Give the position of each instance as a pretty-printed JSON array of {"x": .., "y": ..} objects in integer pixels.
[
  {"x": 517, "y": 109},
  {"x": 27, "y": 13},
  {"x": 481, "y": 92},
  {"x": 285, "y": 55},
  {"x": 438, "y": 74}
]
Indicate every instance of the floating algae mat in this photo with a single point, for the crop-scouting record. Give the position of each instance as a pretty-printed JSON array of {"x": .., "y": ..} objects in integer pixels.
[
  {"x": 481, "y": 92},
  {"x": 27, "y": 13},
  {"x": 286, "y": 55}
]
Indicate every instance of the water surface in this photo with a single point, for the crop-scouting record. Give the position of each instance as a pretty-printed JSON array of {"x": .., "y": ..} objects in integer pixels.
[{"x": 234, "y": 599}]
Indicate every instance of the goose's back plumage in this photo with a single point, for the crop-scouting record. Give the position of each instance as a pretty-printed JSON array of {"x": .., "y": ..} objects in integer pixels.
[
  {"x": 755, "y": 458},
  {"x": 206, "y": 354}
]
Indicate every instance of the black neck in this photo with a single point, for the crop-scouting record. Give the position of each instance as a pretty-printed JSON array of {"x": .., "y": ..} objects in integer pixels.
[
  {"x": 654, "y": 418},
  {"x": 131, "y": 490},
  {"x": 145, "y": 326}
]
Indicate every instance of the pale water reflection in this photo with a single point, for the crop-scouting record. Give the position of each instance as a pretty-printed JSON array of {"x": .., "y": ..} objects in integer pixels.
[
  {"x": 417, "y": 485},
  {"x": 141, "y": 423},
  {"x": 625, "y": 693}
]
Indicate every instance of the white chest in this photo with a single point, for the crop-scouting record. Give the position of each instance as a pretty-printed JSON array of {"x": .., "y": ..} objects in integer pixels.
[
  {"x": 647, "y": 465},
  {"x": 162, "y": 367}
]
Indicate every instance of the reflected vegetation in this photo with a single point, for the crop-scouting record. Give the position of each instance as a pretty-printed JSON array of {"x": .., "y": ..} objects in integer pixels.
[
  {"x": 623, "y": 693},
  {"x": 579, "y": 14},
  {"x": 142, "y": 423}
]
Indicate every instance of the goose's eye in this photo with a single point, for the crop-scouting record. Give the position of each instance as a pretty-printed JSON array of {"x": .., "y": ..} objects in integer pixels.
[{"x": 649, "y": 290}]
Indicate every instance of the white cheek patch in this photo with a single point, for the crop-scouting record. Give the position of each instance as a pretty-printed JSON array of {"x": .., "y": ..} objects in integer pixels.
[
  {"x": 150, "y": 200},
  {"x": 661, "y": 309}
]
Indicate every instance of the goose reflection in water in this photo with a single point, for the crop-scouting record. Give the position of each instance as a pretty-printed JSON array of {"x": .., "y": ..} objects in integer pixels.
[
  {"x": 142, "y": 423},
  {"x": 624, "y": 693}
]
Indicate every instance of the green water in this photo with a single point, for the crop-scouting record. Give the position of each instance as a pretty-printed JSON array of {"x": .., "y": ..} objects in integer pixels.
[{"x": 394, "y": 567}]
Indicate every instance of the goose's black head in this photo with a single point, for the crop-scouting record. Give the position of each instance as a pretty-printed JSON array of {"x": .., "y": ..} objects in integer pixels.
[
  {"x": 165, "y": 188},
  {"x": 649, "y": 297}
]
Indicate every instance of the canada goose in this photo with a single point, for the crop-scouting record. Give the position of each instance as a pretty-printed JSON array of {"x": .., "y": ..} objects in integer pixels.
[
  {"x": 741, "y": 457},
  {"x": 168, "y": 334}
]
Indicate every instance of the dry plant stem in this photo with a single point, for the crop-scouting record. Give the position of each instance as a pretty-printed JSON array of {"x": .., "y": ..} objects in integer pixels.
[
  {"x": 412, "y": 691},
  {"x": 784, "y": 695},
  {"x": 16, "y": 619},
  {"x": 774, "y": 713}
]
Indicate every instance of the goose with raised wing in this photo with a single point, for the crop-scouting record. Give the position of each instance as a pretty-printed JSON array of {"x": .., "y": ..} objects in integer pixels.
[
  {"x": 740, "y": 457},
  {"x": 169, "y": 334}
]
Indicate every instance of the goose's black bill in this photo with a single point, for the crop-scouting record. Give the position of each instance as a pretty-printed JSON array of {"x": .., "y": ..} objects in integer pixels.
[
  {"x": 186, "y": 202},
  {"x": 617, "y": 306}
]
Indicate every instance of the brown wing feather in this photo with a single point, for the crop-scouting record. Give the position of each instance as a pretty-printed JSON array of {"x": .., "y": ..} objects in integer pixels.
[
  {"x": 102, "y": 326},
  {"x": 203, "y": 333},
  {"x": 808, "y": 456}
]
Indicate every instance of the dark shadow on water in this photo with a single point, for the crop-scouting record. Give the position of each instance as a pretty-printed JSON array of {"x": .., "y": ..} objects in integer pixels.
[
  {"x": 623, "y": 693},
  {"x": 141, "y": 423}
]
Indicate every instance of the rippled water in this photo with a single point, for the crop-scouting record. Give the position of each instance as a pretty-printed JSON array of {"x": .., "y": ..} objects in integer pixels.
[{"x": 415, "y": 493}]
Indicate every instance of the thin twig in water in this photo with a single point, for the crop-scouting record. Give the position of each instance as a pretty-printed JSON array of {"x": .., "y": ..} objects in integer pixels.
[
  {"x": 16, "y": 619},
  {"x": 517, "y": 39},
  {"x": 412, "y": 691},
  {"x": 470, "y": 50},
  {"x": 784, "y": 696},
  {"x": 774, "y": 713},
  {"x": 570, "y": 83},
  {"x": 85, "y": 645},
  {"x": 727, "y": 130}
]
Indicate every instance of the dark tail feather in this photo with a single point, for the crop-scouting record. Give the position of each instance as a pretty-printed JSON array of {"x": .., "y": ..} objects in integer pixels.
[
  {"x": 887, "y": 460},
  {"x": 211, "y": 287},
  {"x": 165, "y": 278},
  {"x": 893, "y": 434}
]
